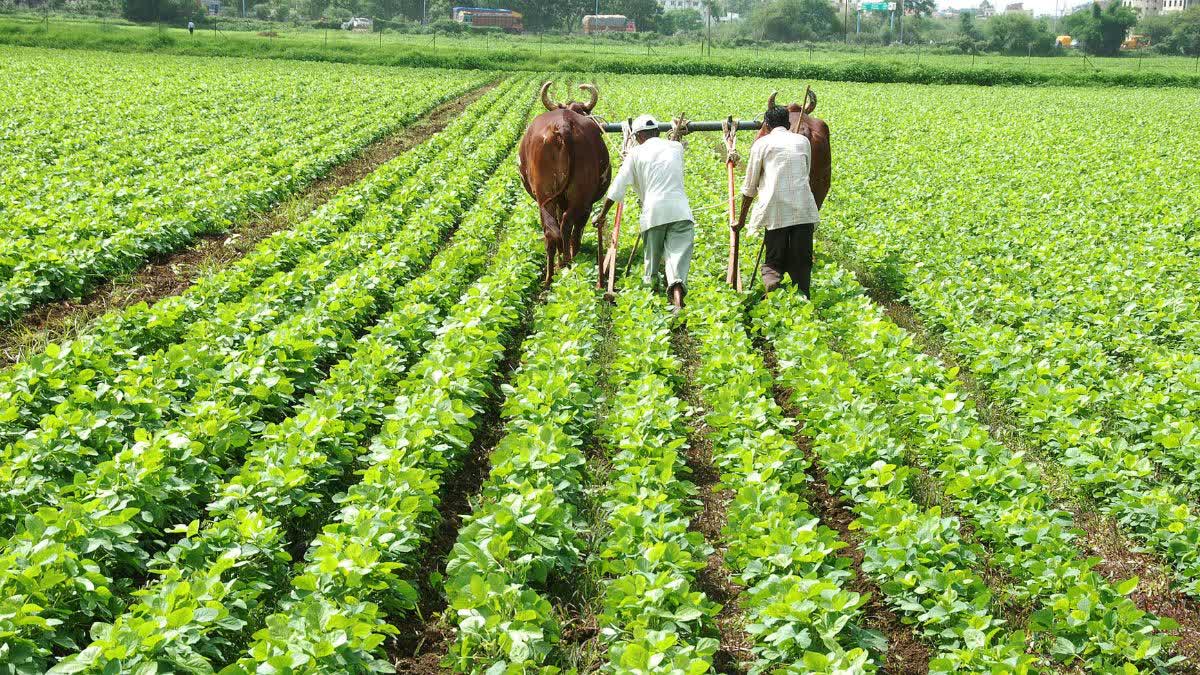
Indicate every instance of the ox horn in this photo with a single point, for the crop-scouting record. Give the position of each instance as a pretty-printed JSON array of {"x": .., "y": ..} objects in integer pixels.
[
  {"x": 810, "y": 100},
  {"x": 771, "y": 100},
  {"x": 591, "y": 89},
  {"x": 550, "y": 105}
]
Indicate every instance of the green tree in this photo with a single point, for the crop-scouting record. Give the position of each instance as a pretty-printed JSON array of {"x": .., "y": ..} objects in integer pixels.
[
  {"x": 1185, "y": 38},
  {"x": 920, "y": 7},
  {"x": 795, "y": 20},
  {"x": 1101, "y": 30},
  {"x": 680, "y": 20},
  {"x": 1019, "y": 34},
  {"x": 159, "y": 10},
  {"x": 645, "y": 13},
  {"x": 1158, "y": 27},
  {"x": 968, "y": 28}
]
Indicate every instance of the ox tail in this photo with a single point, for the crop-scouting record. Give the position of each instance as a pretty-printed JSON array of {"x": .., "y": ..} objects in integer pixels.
[{"x": 558, "y": 144}]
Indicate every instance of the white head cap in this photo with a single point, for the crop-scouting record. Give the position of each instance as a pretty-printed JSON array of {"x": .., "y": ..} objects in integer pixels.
[{"x": 645, "y": 123}]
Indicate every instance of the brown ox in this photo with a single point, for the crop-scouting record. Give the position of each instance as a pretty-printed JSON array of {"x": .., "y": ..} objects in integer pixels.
[
  {"x": 821, "y": 172},
  {"x": 565, "y": 168}
]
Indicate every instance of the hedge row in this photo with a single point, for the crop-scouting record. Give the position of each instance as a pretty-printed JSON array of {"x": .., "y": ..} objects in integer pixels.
[{"x": 83, "y": 37}]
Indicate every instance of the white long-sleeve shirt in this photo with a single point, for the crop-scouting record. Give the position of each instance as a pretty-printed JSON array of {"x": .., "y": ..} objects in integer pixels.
[
  {"x": 777, "y": 174},
  {"x": 655, "y": 170}
]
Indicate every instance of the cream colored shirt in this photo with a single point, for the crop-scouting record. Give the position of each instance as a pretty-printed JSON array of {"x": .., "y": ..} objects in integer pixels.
[
  {"x": 777, "y": 174},
  {"x": 655, "y": 170}
]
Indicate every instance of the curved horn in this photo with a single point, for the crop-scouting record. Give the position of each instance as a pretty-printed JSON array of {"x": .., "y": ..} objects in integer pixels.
[
  {"x": 810, "y": 100},
  {"x": 595, "y": 92},
  {"x": 771, "y": 100},
  {"x": 550, "y": 105}
]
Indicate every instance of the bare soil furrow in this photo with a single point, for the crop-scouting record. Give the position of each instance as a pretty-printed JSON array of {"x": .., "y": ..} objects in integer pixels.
[
  {"x": 715, "y": 580},
  {"x": 424, "y": 636},
  {"x": 1120, "y": 557},
  {"x": 906, "y": 654},
  {"x": 172, "y": 274}
]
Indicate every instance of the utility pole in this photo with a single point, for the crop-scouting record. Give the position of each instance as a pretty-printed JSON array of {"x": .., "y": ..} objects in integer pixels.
[
  {"x": 846, "y": 19},
  {"x": 901, "y": 23},
  {"x": 424, "y": 13}
]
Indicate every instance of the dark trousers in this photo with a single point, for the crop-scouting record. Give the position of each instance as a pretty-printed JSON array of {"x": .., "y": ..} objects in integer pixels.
[{"x": 789, "y": 251}]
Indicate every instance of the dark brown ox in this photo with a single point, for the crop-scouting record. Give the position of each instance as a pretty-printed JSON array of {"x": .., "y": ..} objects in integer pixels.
[
  {"x": 565, "y": 168},
  {"x": 802, "y": 122}
]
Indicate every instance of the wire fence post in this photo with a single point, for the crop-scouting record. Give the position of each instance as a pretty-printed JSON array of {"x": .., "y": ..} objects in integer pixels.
[{"x": 326, "y": 38}]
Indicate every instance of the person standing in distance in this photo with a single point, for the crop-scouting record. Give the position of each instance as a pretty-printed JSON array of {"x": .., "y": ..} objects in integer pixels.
[
  {"x": 191, "y": 27},
  {"x": 777, "y": 174},
  {"x": 655, "y": 170}
]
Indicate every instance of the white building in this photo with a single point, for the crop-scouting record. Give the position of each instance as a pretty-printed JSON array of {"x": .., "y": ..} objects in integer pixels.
[
  {"x": 1169, "y": 6},
  {"x": 1144, "y": 7},
  {"x": 986, "y": 10},
  {"x": 697, "y": 5}
]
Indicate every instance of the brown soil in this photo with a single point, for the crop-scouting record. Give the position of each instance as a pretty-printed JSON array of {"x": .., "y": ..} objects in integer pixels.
[
  {"x": 906, "y": 654},
  {"x": 1120, "y": 558},
  {"x": 173, "y": 273},
  {"x": 424, "y": 636},
  {"x": 734, "y": 654}
]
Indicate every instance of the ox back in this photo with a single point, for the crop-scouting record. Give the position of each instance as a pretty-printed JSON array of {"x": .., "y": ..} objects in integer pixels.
[{"x": 565, "y": 168}]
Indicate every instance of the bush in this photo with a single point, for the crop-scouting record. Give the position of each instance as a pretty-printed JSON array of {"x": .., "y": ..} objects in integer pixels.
[{"x": 447, "y": 27}]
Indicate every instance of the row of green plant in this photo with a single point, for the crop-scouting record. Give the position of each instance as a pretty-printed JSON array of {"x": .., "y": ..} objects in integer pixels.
[
  {"x": 137, "y": 176},
  {"x": 797, "y": 607},
  {"x": 928, "y": 573},
  {"x": 1083, "y": 332},
  {"x": 71, "y": 563},
  {"x": 285, "y": 485},
  {"x": 526, "y": 533},
  {"x": 1077, "y": 616},
  {"x": 338, "y": 615},
  {"x": 798, "y": 612},
  {"x": 652, "y": 617},
  {"x": 223, "y": 307},
  {"x": 155, "y": 390}
]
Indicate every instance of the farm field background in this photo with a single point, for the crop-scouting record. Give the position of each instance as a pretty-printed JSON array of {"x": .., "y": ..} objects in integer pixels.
[
  {"x": 581, "y": 54},
  {"x": 112, "y": 159},
  {"x": 375, "y": 444}
]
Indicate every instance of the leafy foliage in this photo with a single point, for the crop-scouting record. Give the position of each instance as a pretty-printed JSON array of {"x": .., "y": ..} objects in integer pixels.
[
  {"x": 138, "y": 175},
  {"x": 1102, "y": 30},
  {"x": 116, "y": 512}
]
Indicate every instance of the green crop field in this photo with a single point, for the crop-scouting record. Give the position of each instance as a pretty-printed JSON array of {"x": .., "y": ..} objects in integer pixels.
[
  {"x": 376, "y": 443},
  {"x": 108, "y": 160}
]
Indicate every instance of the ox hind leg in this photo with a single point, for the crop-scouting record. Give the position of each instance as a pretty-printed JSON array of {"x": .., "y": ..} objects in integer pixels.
[
  {"x": 553, "y": 234},
  {"x": 574, "y": 222}
]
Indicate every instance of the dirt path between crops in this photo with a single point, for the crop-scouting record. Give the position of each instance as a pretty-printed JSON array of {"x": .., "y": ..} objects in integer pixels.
[
  {"x": 734, "y": 654},
  {"x": 1120, "y": 557},
  {"x": 171, "y": 274},
  {"x": 906, "y": 654},
  {"x": 425, "y": 635}
]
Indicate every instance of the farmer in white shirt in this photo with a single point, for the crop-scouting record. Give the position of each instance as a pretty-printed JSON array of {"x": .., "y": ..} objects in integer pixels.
[
  {"x": 777, "y": 174},
  {"x": 655, "y": 170}
]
